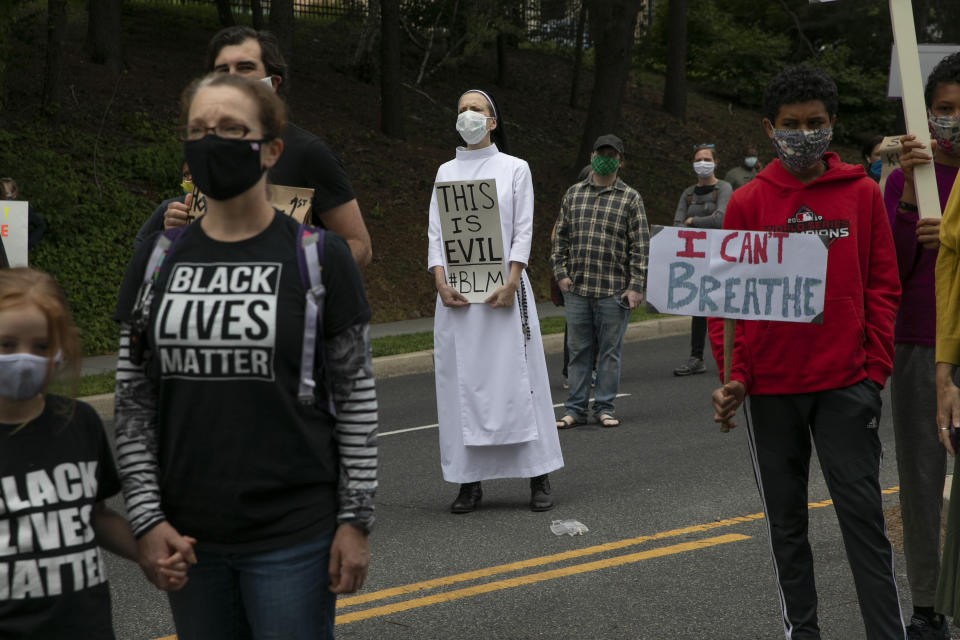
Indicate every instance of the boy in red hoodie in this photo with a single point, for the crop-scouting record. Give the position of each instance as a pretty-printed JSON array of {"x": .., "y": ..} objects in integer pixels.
[{"x": 819, "y": 380}]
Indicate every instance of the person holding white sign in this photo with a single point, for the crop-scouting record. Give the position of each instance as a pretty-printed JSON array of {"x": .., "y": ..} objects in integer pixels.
[
  {"x": 701, "y": 205},
  {"x": 921, "y": 460},
  {"x": 818, "y": 380},
  {"x": 493, "y": 394}
]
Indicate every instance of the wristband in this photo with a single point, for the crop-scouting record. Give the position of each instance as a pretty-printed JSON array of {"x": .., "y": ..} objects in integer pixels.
[{"x": 906, "y": 206}]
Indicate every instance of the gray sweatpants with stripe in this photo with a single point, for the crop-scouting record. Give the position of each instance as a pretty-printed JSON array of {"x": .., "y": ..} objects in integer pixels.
[{"x": 921, "y": 464}]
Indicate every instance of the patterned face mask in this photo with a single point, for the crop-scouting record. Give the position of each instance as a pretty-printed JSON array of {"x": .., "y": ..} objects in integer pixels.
[
  {"x": 946, "y": 131},
  {"x": 604, "y": 165},
  {"x": 801, "y": 149}
]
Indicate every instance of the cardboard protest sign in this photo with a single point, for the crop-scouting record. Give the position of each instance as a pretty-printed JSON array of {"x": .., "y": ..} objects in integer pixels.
[
  {"x": 13, "y": 233},
  {"x": 472, "y": 237},
  {"x": 746, "y": 275},
  {"x": 296, "y": 202},
  {"x": 890, "y": 150}
]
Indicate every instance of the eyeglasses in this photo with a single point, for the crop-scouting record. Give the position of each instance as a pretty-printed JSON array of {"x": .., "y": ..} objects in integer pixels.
[
  {"x": 189, "y": 132},
  {"x": 703, "y": 146}
]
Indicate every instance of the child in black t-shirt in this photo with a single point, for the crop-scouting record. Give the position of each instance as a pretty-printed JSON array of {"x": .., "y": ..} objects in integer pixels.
[{"x": 56, "y": 470}]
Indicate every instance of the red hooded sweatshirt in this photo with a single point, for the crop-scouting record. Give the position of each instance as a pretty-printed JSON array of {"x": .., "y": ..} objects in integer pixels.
[{"x": 862, "y": 291}]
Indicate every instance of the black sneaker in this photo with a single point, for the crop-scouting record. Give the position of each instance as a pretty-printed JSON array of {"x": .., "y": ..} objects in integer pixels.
[
  {"x": 922, "y": 629},
  {"x": 690, "y": 367}
]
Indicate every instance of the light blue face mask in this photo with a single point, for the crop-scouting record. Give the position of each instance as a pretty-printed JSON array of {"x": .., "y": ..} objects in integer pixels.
[
  {"x": 22, "y": 375},
  {"x": 875, "y": 168}
]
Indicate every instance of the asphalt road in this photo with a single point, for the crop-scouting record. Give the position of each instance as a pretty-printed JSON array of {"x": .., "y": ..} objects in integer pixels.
[{"x": 676, "y": 547}]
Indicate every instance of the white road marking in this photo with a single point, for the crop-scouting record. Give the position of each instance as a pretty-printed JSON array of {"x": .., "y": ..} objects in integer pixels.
[{"x": 434, "y": 426}]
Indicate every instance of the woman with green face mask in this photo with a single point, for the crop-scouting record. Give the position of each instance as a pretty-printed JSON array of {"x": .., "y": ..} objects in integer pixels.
[{"x": 701, "y": 205}]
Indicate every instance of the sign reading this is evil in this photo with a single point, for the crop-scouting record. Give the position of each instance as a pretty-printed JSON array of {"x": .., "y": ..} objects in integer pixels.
[
  {"x": 747, "y": 275},
  {"x": 472, "y": 239}
]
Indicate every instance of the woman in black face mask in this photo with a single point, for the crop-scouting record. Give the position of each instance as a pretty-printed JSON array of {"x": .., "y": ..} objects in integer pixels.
[{"x": 230, "y": 451}]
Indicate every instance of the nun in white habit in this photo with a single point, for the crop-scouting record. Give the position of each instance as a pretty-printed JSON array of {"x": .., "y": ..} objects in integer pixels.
[{"x": 493, "y": 396}]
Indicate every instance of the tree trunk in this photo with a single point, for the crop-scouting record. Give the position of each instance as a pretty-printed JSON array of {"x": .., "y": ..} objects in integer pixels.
[
  {"x": 675, "y": 88},
  {"x": 391, "y": 105},
  {"x": 578, "y": 53},
  {"x": 281, "y": 23},
  {"x": 223, "y": 11},
  {"x": 256, "y": 10},
  {"x": 501, "y": 59},
  {"x": 105, "y": 34},
  {"x": 5, "y": 48},
  {"x": 612, "y": 24},
  {"x": 56, "y": 28},
  {"x": 364, "y": 61}
]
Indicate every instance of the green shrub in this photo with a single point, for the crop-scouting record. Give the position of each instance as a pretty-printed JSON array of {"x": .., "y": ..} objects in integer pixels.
[{"x": 75, "y": 182}]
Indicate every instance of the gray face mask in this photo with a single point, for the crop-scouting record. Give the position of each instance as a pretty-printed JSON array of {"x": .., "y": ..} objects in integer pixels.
[
  {"x": 800, "y": 149},
  {"x": 22, "y": 375}
]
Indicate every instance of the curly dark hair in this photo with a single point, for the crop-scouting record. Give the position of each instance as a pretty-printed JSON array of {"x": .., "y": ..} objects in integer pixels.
[
  {"x": 799, "y": 84},
  {"x": 947, "y": 70}
]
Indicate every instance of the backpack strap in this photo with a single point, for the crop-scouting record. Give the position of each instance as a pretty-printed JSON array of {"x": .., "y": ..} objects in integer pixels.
[
  {"x": 310, "y": 242},
  {"x": 140, "y": 316}
]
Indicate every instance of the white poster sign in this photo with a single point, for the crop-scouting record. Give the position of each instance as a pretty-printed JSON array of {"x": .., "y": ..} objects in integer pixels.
[
  {"x": 13, "y": 232},
  {"x": 472, "y": 237},
  {"x": 746, "y": 275}
]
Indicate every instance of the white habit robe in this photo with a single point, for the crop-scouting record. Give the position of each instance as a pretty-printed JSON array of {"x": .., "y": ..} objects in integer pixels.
[{"x": 493, "y": 394}]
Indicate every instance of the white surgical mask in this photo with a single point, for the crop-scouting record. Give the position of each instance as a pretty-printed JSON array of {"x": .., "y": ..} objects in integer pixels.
[
  {"x": 472, "y": 126},
  {"x": 267, "y": 81},
  {"x": 750, "y": 162},
  {"x": 22, "y": 375},
  {"x": 703, "y": 168}
]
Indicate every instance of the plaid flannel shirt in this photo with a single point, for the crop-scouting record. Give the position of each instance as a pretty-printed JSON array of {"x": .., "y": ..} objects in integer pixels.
[{"x": 601, "y": 240}]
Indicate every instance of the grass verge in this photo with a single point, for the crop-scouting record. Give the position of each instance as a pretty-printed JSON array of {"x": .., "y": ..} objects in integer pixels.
[{"x": 385, "y": 346}]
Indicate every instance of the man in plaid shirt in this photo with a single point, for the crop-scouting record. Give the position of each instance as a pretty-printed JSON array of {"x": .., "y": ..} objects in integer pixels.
[{"x": 600, "y": 261}]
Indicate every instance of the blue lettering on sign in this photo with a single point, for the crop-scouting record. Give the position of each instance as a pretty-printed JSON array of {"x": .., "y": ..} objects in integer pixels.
[
  {"x": 770, "y": 284},
  {"x": 729, "y": 294},
  {"x": 750, "y": 293},
  {"x": 808, "y": 284},
  {"x": 680, "y": 273},
  {"x": 708, "y": 284},
  {"x": 794, "y": 297}
]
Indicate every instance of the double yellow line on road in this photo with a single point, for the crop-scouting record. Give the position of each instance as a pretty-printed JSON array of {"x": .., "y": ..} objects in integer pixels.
[
  {"x": 532, "y": 578},
  {"x": 488, "y": 587}
]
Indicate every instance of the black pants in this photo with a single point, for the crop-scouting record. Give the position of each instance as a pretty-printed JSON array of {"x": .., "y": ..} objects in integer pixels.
[
  {"x": 843, "y": 423},
  {"x": 698, "y": 336}
]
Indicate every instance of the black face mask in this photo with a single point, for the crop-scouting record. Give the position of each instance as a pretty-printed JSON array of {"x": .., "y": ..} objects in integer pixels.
[{"x": 223, "y": 167}]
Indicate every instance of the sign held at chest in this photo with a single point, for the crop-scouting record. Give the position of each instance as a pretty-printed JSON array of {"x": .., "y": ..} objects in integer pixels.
[
  {"x": 472, "y": 237},
  {"x": 746, "y": 275}
]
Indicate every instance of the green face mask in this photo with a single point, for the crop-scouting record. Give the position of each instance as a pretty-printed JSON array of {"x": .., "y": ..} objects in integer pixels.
[{"x": 604, "y": 165}]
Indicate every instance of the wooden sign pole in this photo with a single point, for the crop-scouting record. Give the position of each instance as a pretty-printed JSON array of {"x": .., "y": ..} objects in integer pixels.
[
  {"x": 729, "y": 327},
  {"x": 914, "y": 106}
]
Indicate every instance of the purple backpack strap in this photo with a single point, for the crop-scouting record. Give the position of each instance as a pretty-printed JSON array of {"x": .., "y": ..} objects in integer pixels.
[{"x": 310, "y": 263}]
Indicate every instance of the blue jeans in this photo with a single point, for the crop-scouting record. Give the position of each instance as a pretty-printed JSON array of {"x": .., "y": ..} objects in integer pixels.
[
  {"x": 603, "y": 319},
  {"x": 271, "y": 595}
]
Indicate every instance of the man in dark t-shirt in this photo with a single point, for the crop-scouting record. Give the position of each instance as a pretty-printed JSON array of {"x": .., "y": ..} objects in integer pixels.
[{"x": 306, "y": 160}]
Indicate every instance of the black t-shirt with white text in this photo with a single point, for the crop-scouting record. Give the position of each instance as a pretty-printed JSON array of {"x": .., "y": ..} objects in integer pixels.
[
  {"x": 243, "y": 465},
  {"x": 308, "y": 162},
  {"x": 53, "y": 470}
]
